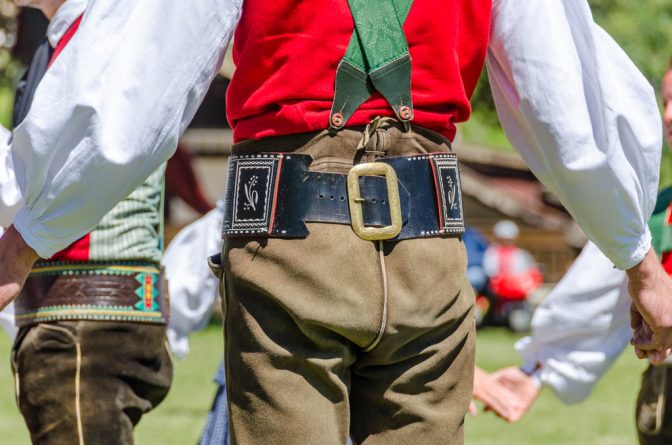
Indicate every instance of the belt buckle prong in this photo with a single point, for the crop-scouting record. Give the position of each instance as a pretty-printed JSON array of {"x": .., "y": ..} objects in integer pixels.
[{"x": 355, "y": 201}]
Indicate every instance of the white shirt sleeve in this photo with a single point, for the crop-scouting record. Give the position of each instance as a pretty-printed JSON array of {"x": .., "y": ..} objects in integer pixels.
[
  {"x": 193, "y": 287},
  {"x": 581, "y": 115},
  {"x": 7, "y": 321},
  {"x": 10, "y": 195},
  {"x": 111, "y": 109},
  {"x": 581, "y": 327}
]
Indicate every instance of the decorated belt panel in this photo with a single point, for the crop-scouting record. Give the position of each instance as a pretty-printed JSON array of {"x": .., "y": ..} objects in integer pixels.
[
  {"x": 54, "y": 291},
  {"x": 274, "y": 195}
]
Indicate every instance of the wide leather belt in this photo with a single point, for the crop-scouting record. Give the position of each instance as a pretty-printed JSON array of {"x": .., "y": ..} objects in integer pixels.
[
  {"x": 131, "y": 292},
  {"x": 274, "y": 195}
]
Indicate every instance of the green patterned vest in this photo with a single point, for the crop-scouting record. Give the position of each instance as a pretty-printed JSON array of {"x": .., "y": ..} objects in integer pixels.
[{"x": 133, "y": 229}]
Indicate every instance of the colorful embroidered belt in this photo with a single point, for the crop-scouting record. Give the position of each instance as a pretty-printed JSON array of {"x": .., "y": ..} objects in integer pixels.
[
  {"x": 55, "y": 291},
  {"x": 396, "y": 198}
]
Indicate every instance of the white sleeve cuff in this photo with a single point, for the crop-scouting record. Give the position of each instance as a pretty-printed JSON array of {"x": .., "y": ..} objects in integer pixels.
[
  {"x": 179, "y": 343},
  {"x": 38, "y": 240},
  {"x": 625, "y": 262}
]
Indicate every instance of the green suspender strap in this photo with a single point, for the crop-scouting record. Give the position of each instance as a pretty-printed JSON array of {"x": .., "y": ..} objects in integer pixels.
[
  {"x": 377, "y": 59},
  {"x": 660, "y": 223}
]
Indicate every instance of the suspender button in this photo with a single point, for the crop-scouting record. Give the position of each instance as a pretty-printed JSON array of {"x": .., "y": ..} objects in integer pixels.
[
  {"x": 337, "y": 120},
  {"x": 405, "y": 113}
]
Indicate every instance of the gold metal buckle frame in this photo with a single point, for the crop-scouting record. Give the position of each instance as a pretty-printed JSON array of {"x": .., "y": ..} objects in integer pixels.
[{"x": 355, "y": 201}]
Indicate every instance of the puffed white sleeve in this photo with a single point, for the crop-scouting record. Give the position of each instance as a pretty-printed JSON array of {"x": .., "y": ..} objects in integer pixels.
[
  {"x": 580, "y": 328},
  {"x": 193, "y": 287},
  {"x": 10, "y": 195},
  {"x": 581, "y": 115},
  {"x": 111, "y": 109}
]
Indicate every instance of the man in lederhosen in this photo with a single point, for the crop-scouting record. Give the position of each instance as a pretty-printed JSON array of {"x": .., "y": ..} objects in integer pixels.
[
  {"x": 90, "y": 356},
  {"x": 347, "y": 309}
]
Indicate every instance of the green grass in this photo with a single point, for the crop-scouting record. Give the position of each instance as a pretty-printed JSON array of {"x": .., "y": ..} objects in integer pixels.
[
  {"x": 605, "y": 419},
  {"x": 180, "y": 418},
  {"x": 6, "y": 106}
]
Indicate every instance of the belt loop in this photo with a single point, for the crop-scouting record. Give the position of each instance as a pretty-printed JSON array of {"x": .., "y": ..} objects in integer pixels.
[{"x": 370, "y": 130}]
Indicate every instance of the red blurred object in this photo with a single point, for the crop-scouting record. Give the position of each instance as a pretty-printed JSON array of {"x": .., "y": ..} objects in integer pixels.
[
  {"x": 509, "y": 285},
  {"x": 181, "y": 181}
]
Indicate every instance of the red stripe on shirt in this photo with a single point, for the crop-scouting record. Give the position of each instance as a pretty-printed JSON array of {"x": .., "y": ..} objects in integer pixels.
[{"x": 80, "y": 250}]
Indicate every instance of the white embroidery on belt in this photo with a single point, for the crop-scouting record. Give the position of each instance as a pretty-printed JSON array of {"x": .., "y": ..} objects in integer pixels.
[
  {"x": 251, "y": 195},
  {"x": 452, "y": 192}
]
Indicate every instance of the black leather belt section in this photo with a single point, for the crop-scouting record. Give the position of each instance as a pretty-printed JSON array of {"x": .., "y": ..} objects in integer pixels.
[{"x": 274, "y": 195}]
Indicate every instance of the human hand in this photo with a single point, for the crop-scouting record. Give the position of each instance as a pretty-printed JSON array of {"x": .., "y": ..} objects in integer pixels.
[
  {"x": 651, "y": 312},
  {"x": 522, "y": 386},
  {"x": 16, "y": 260},
  {"x": 496, "y": 397}
]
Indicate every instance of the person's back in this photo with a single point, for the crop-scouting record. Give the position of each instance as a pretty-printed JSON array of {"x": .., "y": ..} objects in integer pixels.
[
  {"x": 288, "y": 200},
  {"x": 346, "y": 290},
  {"x": 287, "y": 53}
]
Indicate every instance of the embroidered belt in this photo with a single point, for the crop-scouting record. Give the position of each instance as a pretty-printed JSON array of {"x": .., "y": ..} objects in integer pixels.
[
  {"x": 395, "y": 198},
  {"x": 132, "y": 292}
]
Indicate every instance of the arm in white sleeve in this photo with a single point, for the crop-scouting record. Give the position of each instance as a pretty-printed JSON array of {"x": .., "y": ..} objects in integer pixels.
[
  {"x": 581, "y": 327},
  {"x": 581, "y": 115},
  {"x": 192, "y": 286},
  {"x": 10, "y": 195},
  {"x": 111, "y": 108},
  {"x": 7, "y": 321}
]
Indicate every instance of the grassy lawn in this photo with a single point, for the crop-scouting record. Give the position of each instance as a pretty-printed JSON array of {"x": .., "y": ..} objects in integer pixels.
[{"x": 605, "y": 419}]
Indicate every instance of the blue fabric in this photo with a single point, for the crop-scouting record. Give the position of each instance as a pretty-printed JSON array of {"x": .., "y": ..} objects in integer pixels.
[
  {"x": 220, "y": 376},
  {"x": 476, "y": 245},
  {"x": 216, "y": 431},
  {"x": 478, "y": 278}
]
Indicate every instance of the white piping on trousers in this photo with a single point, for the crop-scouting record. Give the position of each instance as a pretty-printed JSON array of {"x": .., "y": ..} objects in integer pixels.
[
  {"x": 660, "y": 405},
  {"x": 17, "y": 388},
  {"x": 383, "y": 322},
  {"x": 78, "y": 410}
]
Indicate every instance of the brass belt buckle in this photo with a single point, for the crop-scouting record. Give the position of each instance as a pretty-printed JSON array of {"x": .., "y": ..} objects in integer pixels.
[{"x": 355, "y": 200}]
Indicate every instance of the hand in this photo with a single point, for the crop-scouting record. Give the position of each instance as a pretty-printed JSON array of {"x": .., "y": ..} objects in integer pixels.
[
  {"x": 16, "y": 260},
  {"x": 522, "y": 386},
  {"x": 496, "y": 397},
  {"x": 651, "y": 312}
]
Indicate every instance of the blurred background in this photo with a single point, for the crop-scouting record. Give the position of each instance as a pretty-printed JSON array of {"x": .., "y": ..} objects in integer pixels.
[{"x": 497, "y": 187}]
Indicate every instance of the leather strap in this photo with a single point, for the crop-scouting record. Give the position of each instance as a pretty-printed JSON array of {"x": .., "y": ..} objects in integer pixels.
[
  {"x": 25, "y": 90},
  {"x": 93, "y": 291},
  {"x": 377, "y": 59},
  {"x": 274, "y": 195}
]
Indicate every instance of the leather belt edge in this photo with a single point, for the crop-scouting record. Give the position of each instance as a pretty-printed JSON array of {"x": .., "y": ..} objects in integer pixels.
[
  {"x": 59, "y": 291},
  {"x": 274, "y": 194}
]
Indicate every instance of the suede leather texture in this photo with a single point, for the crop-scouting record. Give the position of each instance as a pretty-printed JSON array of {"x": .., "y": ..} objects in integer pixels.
[
  {"x": 315, "y": 352},
  {"x": 125, "y": 372},
  {"x": 656, "y": 381}
]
